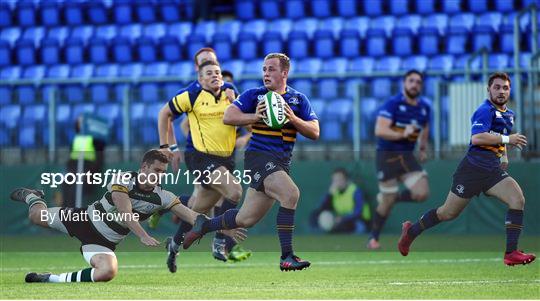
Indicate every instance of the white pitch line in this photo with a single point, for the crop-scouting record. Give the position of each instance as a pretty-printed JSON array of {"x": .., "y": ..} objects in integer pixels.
[
  {"x": 268, "y": 264},
  {"x": 450, "y": 282}
]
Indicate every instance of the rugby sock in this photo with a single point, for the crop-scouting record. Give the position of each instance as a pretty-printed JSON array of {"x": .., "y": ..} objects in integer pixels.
[
  {"x": 226, "y": 205},
  {"x": 404, "y": 196},
  {"x": 229, "y": 243},
  {"x": 225, "y": 221},
  {"x": 378, "y": 224},
  {"x": 285, "y": 228},
  {"x": 428, "y": 220},
  {"x": 32, "y": 199},
  {"x": 179, "y": 235},
  {"x": 86, "y": 275},
  {"x": 513, "y": 224}
]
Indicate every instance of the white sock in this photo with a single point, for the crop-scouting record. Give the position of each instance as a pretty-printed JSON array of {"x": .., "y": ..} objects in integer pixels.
[{"x": 74, "y": 277}]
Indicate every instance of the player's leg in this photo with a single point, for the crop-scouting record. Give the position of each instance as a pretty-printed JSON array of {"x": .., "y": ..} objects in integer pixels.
[
  {"x": 386, "y": 199},
  {"x": 417, "y": 186},
  {"x": 451, "y": 209},
  {"x": 509, "y": 192}
]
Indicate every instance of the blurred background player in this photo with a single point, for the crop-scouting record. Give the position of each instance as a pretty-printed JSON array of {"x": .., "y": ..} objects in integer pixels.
[
  {"x": 99, "y": 236},
  {"x": 401, "y": 121},
  {"x": 209, "y": 147},
  {"x": 483, "y": 170},
  {"x": 268, "y": 157},
  {"x": 342, "y": 209}
]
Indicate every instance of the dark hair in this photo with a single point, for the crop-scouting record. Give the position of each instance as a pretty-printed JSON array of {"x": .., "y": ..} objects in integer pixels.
[
  {"x": 207, "y": 63},
  {"x": 227, "y": 73},
  {"x": 204, "y": 49},
  {"x": 342, "y": 171},
  {"x": 153, "y": 155},
  {"x": 501, "y": 75},
  {"x": 413, "y": 71}
]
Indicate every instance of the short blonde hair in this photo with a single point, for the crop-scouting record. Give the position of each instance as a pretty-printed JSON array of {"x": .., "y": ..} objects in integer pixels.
[{"x": 284, "y": 60}]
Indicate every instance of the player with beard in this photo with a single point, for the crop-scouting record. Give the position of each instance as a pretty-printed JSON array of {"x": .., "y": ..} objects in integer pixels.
[
  {"x": 402, "y": 120},
  {"x": 483, "y": 170}
]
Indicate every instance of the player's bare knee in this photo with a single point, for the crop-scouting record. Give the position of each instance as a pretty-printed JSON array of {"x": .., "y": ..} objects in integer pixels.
[
  {"x": 105, "y": 273},
  {"x": 517, "y": 202},
  {"x": 445, "y": 214},
  {"x": 234, "y": 194},
  {"x": 420, "y": 197},
  {"x": 246, "y": 222},
  {"x": 290, "y": 199}
]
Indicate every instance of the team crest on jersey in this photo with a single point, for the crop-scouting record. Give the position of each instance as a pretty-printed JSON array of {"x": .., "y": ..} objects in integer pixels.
[
  {"x": 260, "y": 97},
  {"x": 498, "y": 114},
  {"x": 294, "y": 101},
  {"x": 512, "y": 119},
  {"x": 257, "y": 177},
  {"x": 402, "y": 108},
  {"x": 460, "y": 189},
  {"x": 269, "y": 166}
]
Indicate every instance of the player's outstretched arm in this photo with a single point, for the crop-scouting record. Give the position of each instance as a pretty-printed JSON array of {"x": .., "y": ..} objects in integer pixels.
[
  {"x": 383, "y": 129},
  {"x": 234, "y": 116},
  {"x": 122, "y": 203},
  {"x": 184, "y": 213}
]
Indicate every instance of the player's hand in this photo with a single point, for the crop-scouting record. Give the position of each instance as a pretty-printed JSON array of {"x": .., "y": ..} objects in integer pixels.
[
  {"x": 238, "y": 234},
  {"x": 260, "y": 112},
  {"x": 518, "y": 140},
  {"x": 149, "y": 241},
  {"x": 289, "y": 113},
  {"x": 409, "y": 130},
  {"x": 230, "y": 94},
  {"x": 422, "y": 156},
  {"x": 177, "y": 158}
]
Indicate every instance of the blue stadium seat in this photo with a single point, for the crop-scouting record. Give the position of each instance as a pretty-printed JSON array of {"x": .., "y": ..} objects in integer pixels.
[
  {"x": 249, "y": 84},
  {"x": 155, "y": 31},
  {"x": 418, "y": 62},
  {"x": 311, "y": 66},
  {"x": 50, "y": 13},
  {"x": 11, "y": 35},
  {"x": 335, "y": 25},
  {"x": 402, "y": 41},
  {"x": 295, "y": 9},
  {"x": 171, "y": 49},
  {"x": 236, "y": 67},
  {"x": 253, "y": 67},
  {"x": 99, "y": 93},
  {"x": 171, "y": 88},
  {"x": 504, "y": 6},
  {"x": 168, "y": 10},
  {"x": 36, "y": 34},
  {"x": 349, "y": 43},
  {"x": 258, "y": 27},
  {"x": 247, "y": 46},
  {"x": 451, "y": 6},
  {"x": 362, "y": 64},
  {"x": 133, "y": 71},
  {"x": 82, "y": 71},
  {"x": 35, "y": 114},
  {"x": 10, "y": 116},
  {"x": 131, "y": 31},
  {"x": 79, "y": 109},
  {"x": 206, "y": 29},
  {"x": 6, "y": 92},
  {"x": 428, "y": 41},
  {"x": 145, "y": 11},
  {"x": 373, "y": 8},
  {"x": 304, "y": 86},
  {"x": 359, "y": 24},
  {"x": 456, "y": 41},
  {"x": 298, "y": 44},
  {"x": 245, "y": 9},
  {"x": 425, "y": 7},
  {"x": 58, "y": 33},
  {"x": 231, "y": 28},
  {"x": 194, "y": 42},
  {"x": 58, "y": 71},
  {"x": 318, "y": 105},
  {"x": 50, "y": 51},
  {"x": 399, "y": 7},
  {"x": 146, "y": 50},
  {"x": 388, "y": 64},
  {"x": 26, "y": 14},
  {"x": 412, "y": 22},
  {"x": 27, "y": 136},
  {"x": 155, "y": 69},
  {"x": 444, "y": 62},
  {"x": 149, "y": 128},
  {"x": 122, "y": 12},
  {"x": 27, "y": 94},
  {"x": 328, "y": 88},
  {"x": 270, "y": 9},
  {"x": 331, "y": 131},
  {"x": 335, "y": 65},
  {"x": 465, "y": 20},
  {"x": 137, "y": 112},
  {"x": 97, "y": 12},
  {"x": 74, "y": 51},
  {"x": 483, "y": 37},
  {"x": 381, "y": 87},
  {"x": 461, "y": 61},
  {"x": 478, "y": 6},
  {"x": 121, "y": 50},
  {"x": 272, "y": 42},
  {"x": 347, "y": 8},
  {"x": 182, "y": 69},
  {"x": 111, "y": 113},
  {"x": 5, "y": 15},
  {"x": 63, "y": 114},
  {"x": 376, "y": 42},
  {"x": 324, "y": 44},
  {"x": 499, "y": 61},
  {"x": 385, "y": 23},
  {"x": 321, "y": 8},
  {"x": 340, "y": 109},
  {"x": 524, "y": 60},
  {"x": 438, "y": 21},
  {"x": 26, "y": 53},
  {"x": 107, "y": 32},
  {"x": 180, "y": 31},
  {"x": 76, "y": 92},
  {"x": 223, "y": 46},
  {"x": 73, "y": 13},
  {"x": 284, "y": 26},
  {"x": 368, "y": 111},
  {"x": 98, "y": 51},
  {"x": 84, "y": 33},
  {"x": 5, "y": 54}
]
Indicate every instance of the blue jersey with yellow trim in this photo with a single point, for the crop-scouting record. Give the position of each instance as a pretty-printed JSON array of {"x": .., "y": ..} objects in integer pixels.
[
  {"x": 280, "y": 142},
  {"x": 402, "y": 114},
  {"x": 488, "y": 119}
]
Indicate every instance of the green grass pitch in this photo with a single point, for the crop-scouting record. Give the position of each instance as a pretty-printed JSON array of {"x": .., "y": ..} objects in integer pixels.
[{"x": 439, "y": 267}]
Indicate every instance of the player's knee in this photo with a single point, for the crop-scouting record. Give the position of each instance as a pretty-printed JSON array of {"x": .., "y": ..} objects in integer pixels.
[
  {"x": 518, "y": 202},
  {"x": 35, "y": 217},
  {"x": 291, "y": 197},
  {"x": 105, "y": 273},
  {"x": 445, "y": 214},
  {"x": 235, "y": 194},
  {"x": 420, "y": 197},
  {"x": 246, "y": 222}
]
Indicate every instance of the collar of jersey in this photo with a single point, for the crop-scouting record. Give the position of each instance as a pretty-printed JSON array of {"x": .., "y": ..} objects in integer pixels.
[{"x": 491, "y": 104}]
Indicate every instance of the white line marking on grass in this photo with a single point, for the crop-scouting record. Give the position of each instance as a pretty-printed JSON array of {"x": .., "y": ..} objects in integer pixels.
[
  {"x": 450, "y": 282},
  {"x": 268, "y": 264}
]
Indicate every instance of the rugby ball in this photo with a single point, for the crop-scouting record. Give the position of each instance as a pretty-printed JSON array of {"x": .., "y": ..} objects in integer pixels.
[
  {"x": 326, "y": 220},
  {"x": 275, "y": 110}
]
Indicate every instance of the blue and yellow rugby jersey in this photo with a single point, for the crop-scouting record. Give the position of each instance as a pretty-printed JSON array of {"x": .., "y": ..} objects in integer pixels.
[
  {"x": 280, "y": 142},
  {"x": 402, "y": 114},
  {"x": 488, "y": 119},
  {"x": 207, "y": 132}
]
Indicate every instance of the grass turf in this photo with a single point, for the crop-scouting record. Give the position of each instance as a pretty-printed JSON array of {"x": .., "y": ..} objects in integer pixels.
[{"x": 433, "y": 270}]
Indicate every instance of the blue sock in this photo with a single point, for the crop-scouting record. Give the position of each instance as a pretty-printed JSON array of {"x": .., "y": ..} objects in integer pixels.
[
  {"x": 226, "y": 205},
  {"x": 184, "y": 199},
  {"x": 428, "y": 220},
  {"x": 285, "y": 228},
  {"x": 229, "y": 243},
  {"x": 404, "y": 196},
  {"x": 225, "y": 221},
  {"x": 378, "y": 224},
  {"x": 179, "y": 235},
  {"x": 513, "y": 224}
]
